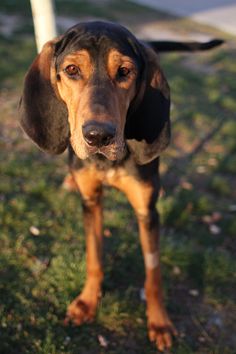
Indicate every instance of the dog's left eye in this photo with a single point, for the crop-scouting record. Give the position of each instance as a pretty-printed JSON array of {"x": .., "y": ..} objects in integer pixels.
[
  {"x": 72, "y": 70},
  {"x": 123, "y": 72}
]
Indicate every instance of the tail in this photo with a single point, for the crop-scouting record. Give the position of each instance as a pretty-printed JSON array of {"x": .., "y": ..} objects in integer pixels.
[{"x": 171, "y": 46}]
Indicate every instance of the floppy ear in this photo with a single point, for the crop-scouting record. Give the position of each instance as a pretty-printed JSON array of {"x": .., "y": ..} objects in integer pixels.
[
  {"x": 43, "y": 116},
  {"x": 148, "y": 128}
]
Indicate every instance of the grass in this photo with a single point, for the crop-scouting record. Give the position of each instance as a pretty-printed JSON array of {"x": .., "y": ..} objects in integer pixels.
[{"x": 41, "y": 274}]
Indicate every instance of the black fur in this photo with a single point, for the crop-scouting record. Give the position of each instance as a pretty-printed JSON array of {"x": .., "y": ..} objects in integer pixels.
[
  {"x": 42, "y": 115},
  {"x": 172, "y": 46}
]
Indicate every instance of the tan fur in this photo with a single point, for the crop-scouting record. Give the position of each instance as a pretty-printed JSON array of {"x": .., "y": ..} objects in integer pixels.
[{"x": 79, "y": 98}]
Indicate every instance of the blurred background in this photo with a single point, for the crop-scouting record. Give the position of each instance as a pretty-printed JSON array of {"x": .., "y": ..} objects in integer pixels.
[{"x": 42, "y": 259}]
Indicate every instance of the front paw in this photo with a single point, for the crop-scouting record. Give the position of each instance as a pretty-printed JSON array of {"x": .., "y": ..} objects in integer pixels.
[
  {"x": 161, "y": 332},
  {"x": 80, "y": 311}
]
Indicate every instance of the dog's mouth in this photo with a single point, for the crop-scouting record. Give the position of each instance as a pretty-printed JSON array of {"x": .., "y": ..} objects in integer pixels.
[{"x": 113, "y": 151}]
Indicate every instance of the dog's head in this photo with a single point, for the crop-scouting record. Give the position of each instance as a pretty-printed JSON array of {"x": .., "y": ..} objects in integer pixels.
[{"x": 100, "y": 89}]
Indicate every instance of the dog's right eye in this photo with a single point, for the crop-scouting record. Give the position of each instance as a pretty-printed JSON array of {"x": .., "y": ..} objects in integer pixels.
[{"x": 72, "y": 71}]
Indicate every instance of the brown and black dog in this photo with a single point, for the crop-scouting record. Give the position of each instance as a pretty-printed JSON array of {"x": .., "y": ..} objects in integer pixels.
[{"x": 101, "y": 92}]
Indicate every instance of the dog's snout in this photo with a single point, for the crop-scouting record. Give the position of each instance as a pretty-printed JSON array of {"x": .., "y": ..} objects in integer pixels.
[{"x": 98, "y": 134}]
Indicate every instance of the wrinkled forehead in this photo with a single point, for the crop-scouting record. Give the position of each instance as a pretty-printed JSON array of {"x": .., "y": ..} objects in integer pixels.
[{"x": 98, "y": 38}]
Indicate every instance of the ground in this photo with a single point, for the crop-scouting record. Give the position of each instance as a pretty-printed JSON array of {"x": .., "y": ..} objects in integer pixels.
[{"x": 42, "y": 256}]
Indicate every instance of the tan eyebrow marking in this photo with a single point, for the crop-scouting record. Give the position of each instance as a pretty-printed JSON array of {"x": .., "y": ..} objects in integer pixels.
[
  {"x": 116, "y": 59},
  {"x": 80, "y": 58}
]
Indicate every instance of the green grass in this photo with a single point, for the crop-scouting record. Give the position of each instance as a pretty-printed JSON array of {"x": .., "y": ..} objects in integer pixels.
[{"x": 41, "y": 274}]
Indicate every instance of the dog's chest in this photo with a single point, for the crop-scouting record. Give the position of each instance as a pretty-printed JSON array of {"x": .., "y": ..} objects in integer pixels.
[{"x": 113, "y": 177}]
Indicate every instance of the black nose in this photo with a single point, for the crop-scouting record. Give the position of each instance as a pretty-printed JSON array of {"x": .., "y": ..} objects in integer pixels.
[{"x": 98, "y": 134}]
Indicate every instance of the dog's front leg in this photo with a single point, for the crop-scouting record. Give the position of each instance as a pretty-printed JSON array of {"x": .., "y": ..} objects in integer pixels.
[
  {"x": 160, "y": 328},
  {"x": 83, "y": 308},
  {"x": 143, "y": 195}
]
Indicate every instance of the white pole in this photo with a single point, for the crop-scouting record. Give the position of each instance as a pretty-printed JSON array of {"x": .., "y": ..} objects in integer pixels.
[{"x": 44, "y": 21}]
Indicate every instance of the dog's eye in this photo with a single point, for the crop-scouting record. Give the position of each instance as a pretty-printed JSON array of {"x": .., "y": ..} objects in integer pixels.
[
  {"x": 72, "y": 70},
  {"x": 123, "y": 72}
]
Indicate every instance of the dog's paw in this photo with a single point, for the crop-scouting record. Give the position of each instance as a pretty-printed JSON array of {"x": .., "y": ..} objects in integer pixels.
[
  {"x": 80, "y": 311},
  {"x": 161, "y": 333}
]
